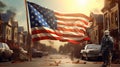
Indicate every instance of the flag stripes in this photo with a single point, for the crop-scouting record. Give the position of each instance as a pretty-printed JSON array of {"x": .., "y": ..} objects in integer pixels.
[{"x": 47, "y": 24}]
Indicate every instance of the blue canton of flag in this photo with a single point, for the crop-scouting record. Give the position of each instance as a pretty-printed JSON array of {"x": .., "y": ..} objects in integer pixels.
[{"x": 40, "y": 16}]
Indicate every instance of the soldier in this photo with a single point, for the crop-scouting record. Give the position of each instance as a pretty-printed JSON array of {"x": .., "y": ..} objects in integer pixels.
[{"x": 107, "y": 47}]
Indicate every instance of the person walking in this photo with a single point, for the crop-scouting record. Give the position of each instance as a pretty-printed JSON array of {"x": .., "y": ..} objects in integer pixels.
[
  {"x": 106, "y": 48},
  {"x": 72, "y": 53}
]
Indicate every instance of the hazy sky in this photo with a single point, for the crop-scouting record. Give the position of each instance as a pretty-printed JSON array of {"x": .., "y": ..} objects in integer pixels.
[{"x": 64, "y": 6}]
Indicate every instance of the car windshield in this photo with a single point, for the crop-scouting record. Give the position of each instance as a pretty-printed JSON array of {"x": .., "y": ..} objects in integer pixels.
[
  {"x": 93, "y": 47},
  {"x": 6, "y": 46},
  {"x": 1, "y": 46}
]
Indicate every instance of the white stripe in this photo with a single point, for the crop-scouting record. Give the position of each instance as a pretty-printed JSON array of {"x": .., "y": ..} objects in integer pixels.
[
  {"x": 74, "y": 23},
  {"x": 72, "y": 17},
  {"x": 53, "y": 35},
  {"x": 72, "y": 27},
  {"x": 68, "y": 17}
]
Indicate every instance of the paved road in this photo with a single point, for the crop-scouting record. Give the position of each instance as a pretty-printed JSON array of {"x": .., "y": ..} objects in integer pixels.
[{"x": 54, "y": 61}]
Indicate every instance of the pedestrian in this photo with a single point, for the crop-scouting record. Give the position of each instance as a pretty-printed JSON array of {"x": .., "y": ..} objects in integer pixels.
[
  {"x": 106, "y": 48},
  {"x": 72, "y": 53}
]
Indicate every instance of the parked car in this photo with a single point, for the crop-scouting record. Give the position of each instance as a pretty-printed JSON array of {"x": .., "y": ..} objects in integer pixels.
[
  {"x": 23, "y": 54},
  {"x": 23, "y": 51},
  {"x": 37, "y": 53},
  {"x": 5, "y": 51},
  {"x": 45, "y": 53},
  {"x": 91, "y": 51}
]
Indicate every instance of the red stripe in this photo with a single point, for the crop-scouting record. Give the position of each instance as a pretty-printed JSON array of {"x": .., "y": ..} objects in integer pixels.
[
  {"x": 46, "y": 37},
  {"x": 44, "y": 31},
  {"x": 71, "y": 30},
  {"x": 59, "y": 34},
  {"x": 63, "y": 40},
  {"x": 55, "y": 38}
]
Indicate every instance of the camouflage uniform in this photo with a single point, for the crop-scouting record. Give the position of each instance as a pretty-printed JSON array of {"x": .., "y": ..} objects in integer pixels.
[{"x": 107, "y": 47}]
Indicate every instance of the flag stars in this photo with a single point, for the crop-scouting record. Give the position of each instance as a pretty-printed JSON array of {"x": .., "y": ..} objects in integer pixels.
[
  {"x": 42, "y": 20},
  {"x": 30, "y": 5},
  {"x": 36, "y": 24},
  {"x": 35, "y": 10},
  {"x": 39, "y": 21},
  {"x": 32, "y": 23},
  {"x": 32, "y": 11},
  {"x": 36, "y": 14},
  {"x": 41, "y": 17},
  {"x": 36, "y": 19},
  {"x": 32, "y": 17},
  {"x": 45, "y": 23}
]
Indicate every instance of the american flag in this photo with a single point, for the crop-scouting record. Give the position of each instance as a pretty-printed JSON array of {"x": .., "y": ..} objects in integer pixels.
[{"x": 48, "y": 24}]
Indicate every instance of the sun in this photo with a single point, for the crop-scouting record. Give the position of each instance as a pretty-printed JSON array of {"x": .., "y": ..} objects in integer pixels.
[{"x": 82, "y": 2}]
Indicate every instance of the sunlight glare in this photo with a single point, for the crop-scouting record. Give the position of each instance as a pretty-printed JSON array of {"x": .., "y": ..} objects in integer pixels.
[{"x": 82, "y": 2}]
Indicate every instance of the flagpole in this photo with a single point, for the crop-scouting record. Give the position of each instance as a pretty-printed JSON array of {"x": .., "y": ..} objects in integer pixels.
[{"x": 29, "y": 34}]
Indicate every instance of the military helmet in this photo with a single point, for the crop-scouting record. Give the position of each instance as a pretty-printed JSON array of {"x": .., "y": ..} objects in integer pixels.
[{"x": 106, "y": 32}]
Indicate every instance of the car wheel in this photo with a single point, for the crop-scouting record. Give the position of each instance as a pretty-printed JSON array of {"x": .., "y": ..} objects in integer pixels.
[
  {"x": 82, "y": 57},
  {"x": 9, "y": 59},
  {"x": 86, "y": 58}
]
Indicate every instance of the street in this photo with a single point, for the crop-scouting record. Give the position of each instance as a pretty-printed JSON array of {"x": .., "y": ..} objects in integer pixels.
[{"x": 55, "y": 60}]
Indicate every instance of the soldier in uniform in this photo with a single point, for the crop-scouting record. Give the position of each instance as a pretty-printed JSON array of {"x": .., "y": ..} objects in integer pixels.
[{"x": 107, "y": 47}]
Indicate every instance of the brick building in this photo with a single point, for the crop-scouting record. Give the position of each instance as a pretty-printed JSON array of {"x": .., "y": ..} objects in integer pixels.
[{"x": 112, "y": 20}]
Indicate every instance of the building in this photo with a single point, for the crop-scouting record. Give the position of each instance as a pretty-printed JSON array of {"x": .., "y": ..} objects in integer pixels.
[
  {"x": 112, "y": 20},
  {"x": 96, "y": 29},
  {"x": 25, "y": 35},
  {"x": 15, "y": 32},
  {"x": 8, "y": 29},
  {"x": 20, "y": 36}
]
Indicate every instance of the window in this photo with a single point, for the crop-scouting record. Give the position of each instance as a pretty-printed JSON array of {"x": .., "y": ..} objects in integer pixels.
[
  {"x": 1, "y": 46},
  {"x": 116, "y": 18},
  {"x": 112, "y": 18},
  {"x": 106, "y": 21}
]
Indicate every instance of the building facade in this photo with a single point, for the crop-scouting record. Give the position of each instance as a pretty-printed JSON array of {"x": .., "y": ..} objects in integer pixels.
[
  {"x": 15, "y": 32},
  {"x": 111, "y": 12},
  {"x": 20, "y": 36},
  {"x": 8, "y": 29},
  {"x": 96, "y": 30}
]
